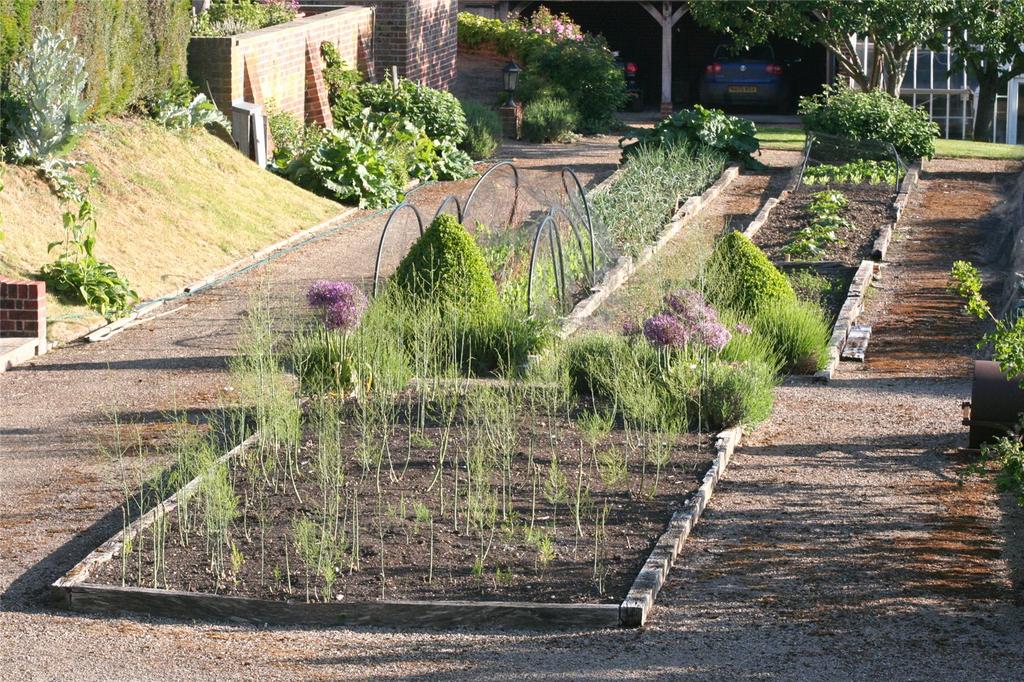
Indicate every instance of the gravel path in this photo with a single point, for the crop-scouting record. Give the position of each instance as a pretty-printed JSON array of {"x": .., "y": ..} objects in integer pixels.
[{"x": 838, "y": 547}]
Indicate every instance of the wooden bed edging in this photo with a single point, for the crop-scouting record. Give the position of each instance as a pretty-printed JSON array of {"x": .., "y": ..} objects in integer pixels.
[
  {"x": 74, "y": 592},
  {"x": 626, "y": 265},
  {"x": 636, "y": 607}
]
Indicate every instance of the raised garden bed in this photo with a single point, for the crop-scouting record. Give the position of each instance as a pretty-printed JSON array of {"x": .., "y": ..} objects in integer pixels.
[{"x": 411, "y": 563}]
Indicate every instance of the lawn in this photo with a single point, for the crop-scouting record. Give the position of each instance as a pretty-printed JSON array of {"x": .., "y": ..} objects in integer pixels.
[
  {"x": 792, "y": 138},
  {"x": 196, "y": 206}
]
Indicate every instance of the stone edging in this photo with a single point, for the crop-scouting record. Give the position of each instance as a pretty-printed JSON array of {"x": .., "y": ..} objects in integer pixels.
[
  {"x": 636, "y": 607},
  {"x": 626, "y": 265},
  {"x": 853, "y": 306},
  {"x": 74, "y": 592}
]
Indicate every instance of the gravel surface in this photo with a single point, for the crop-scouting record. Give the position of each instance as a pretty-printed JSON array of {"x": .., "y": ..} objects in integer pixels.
[{"x": 839, "y": 545}]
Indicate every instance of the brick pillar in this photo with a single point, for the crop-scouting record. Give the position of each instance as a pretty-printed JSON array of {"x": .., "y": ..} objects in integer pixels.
[
  {"x": 23, "y": 310},
  {"x": 511, "y": 120}
]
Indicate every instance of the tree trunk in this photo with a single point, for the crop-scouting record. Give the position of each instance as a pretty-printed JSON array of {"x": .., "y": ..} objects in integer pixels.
[{"x": 985, "y": 116}]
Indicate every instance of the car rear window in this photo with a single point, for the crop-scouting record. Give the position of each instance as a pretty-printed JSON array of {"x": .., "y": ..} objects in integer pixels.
[{"x": 757, "y": 53}]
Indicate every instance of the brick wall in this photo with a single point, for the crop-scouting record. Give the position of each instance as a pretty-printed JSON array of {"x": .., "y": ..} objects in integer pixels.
[
  {"x": 281, "y": 62},
  {"x": 481, "y": 76},
  {"x": 420, "y": 37},
  {"x": 23, "y": 309}
]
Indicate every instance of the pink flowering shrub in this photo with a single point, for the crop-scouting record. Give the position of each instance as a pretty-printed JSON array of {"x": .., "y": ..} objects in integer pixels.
[{"x": 557, "y": 26}]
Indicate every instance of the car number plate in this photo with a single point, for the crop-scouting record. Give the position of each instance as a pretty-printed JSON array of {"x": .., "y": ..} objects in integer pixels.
[{"x": 743, "y": 88}]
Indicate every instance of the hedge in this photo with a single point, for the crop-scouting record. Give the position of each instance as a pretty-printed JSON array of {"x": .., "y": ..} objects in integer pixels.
[{"x": 133, "y": 48}]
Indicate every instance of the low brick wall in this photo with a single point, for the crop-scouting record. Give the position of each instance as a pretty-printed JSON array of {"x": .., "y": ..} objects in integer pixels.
[
  {"x": 23, "y": 309},
  {"x": 419, "y": 37},
  {"x": 282, "y": 63}
]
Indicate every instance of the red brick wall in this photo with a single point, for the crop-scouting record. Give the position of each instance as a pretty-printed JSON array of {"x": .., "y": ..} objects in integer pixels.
[
  {"x": 22, "y": 308},
  {"x": 420, "y": 37},
  {"x": 274, "y": 64},
  {"x": 481, "y": 76}
]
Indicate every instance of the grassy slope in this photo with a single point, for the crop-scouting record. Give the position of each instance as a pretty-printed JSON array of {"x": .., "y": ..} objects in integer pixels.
[
  {"x": 792, "y": 138},
  {"x": 171, "y": 208}
]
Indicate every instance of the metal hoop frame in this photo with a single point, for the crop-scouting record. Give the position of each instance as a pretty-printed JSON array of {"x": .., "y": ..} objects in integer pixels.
[
  {"x": 476, "y": 187},
  {"x": 557, "y": 263},
  {"x": 590, "y": 221},
  {"x": 384, "y": 234},
  {"x": 444, "y": 204}
]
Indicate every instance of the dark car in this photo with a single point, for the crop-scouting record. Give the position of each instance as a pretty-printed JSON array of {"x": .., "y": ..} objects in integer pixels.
[{"x": 747, "y": 78}]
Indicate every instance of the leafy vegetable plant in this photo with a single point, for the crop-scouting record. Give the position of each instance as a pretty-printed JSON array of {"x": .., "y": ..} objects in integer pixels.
[
  {"x": 813, "y": 239},
  {"x": 708, "y": 127},
  {"x": 78, "y": 274},
  {"x": 862, "y": 170}
]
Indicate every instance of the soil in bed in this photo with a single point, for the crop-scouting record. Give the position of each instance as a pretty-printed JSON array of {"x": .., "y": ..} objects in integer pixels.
[
  {"x": 870, "y": 207},
  {"x": 596, "y": 563}
]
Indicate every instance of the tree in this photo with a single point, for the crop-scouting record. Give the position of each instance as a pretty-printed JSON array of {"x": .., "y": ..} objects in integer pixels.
[
  {"x": 986, "y": 41},
  {"x": 894, "y": 28}
]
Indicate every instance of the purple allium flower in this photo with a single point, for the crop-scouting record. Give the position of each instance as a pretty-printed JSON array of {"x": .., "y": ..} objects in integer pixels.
[
  {"x": 665, "y": 330},
  {"x": 713, "y": 334},
  {"x": 689, "y": 306},
  {"x": 325, "y": 293},
  {"x": 346, "y": 313},
  {"x": 343, "y": 303},
  {"x": 631, "y": 328},
  {"x": 743, "y": 328}
]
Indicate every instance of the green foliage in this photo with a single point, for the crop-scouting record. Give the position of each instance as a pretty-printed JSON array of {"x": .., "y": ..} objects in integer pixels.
[
  {"x": 366, "y": 166},
  {"x": 741, "y": 278},
  {"x": 445, "y": 266},
  {"x": 79, "y": 275},
  {"x": 873, "y": 115},
  {"x": 812, "y": 239},
  {"x": 649, "y": 188},
  {"x": 741, "y": 393},
  {"x": 230, "y": 17},
  {"x": 548, "y": 119},
  {"x": 132, "y": 49},
  {"x": 483, "y": 131},
  {"x": 1007, "y": 339},
  {"x": 342, "y": 85},
  {"x": 582, "y": 71},
  {"x": 712, "y": 128},
  {"x": 289, "y": 136},
  {"x": 798, "y": 332},
  {"x": 812, "y": 287},
  {"x": 436, "y": 112},
  {"x": 1007, "y": 453},
  {"x": 45, "y": 101},
  {"x": 198, "y": 112},
  {"x": 863, "y": 170}
]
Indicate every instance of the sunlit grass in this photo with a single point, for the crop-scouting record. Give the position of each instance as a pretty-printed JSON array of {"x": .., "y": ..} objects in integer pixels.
[{"x": 792, "y": 138}]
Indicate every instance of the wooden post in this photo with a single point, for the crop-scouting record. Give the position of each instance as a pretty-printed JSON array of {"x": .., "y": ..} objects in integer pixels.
[{"x": 667, "y": 19}]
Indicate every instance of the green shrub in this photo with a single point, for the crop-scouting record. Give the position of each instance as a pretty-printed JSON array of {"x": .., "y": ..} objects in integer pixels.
[
  {"x": 436, "y": 112},
  {"x": 712, "y": 128},
  {"x": 636, "y": 208},
  {"x": 549, "y": 120},
  {"x": 446, "y": 268},
  {"x": 367, "y": 167},
  {"x": 132, "y": 49},
  {"x": 873, "y": 115},
  {"x": 737, "y": 394},
  {"x": 582, "y": 71},
  {"x": 45, "y": 100},
  {"x": 231, "y": 17},
  {"x": 287, "y": 133},
  {"x": 342, "y": 85},
  {"x": 799, "y": 332},
  {"x": 740, "y": 277},
  {"x": 483, "y": 131}
]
